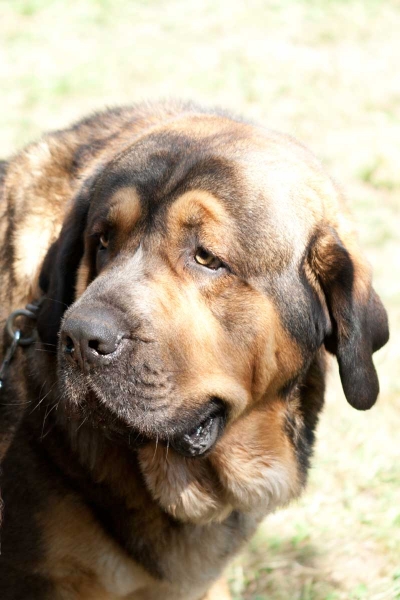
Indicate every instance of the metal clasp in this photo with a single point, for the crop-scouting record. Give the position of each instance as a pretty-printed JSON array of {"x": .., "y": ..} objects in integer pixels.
[{"x": 16, "y": 335}]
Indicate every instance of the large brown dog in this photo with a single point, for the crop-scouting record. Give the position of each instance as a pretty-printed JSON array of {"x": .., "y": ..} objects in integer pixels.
[{"x": 192, "y": 270}]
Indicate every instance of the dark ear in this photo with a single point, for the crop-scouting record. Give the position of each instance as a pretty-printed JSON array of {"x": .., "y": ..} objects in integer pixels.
[
  {"x": 358, "y": 318},
  {"x": 58, "y": 274}
]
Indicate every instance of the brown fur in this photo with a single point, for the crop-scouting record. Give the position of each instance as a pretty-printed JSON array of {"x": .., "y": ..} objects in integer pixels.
[{"x": 100, "y": 499}]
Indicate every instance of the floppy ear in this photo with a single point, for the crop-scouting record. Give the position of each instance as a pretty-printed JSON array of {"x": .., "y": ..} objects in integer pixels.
[
  {"x": 358, "y": 318},
  {"x": 58, "y": 274}
]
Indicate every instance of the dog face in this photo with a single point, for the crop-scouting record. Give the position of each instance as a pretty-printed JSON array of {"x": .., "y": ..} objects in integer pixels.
[{"x": 204, "y": 267}]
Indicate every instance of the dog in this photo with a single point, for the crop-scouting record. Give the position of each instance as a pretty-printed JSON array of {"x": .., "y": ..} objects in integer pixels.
[{"x": 187, "y": 274}]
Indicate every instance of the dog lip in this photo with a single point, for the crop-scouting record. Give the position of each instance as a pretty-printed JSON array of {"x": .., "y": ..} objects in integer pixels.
[{"x": 201, "y": 438}]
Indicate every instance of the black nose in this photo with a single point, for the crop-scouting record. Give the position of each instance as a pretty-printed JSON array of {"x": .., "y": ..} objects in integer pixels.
[{"x": 89, "y": 338}]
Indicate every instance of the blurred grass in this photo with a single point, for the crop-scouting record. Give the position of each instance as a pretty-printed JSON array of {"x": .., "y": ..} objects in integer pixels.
[{"x": 328, "y": 73}]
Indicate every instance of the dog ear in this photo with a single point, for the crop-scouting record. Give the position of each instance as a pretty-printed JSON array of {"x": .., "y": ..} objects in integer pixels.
[
  {"x": 58, "y": 274},
  {"x": 359, "y": 324}
]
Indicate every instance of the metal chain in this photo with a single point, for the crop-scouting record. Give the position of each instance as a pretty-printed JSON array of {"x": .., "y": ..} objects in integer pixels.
[{"x": 9, "y": 354}]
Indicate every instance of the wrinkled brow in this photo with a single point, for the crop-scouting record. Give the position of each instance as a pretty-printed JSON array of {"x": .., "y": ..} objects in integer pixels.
[
  {"x": 125, "y": 209},
  {"x": 203, "y": 212}
]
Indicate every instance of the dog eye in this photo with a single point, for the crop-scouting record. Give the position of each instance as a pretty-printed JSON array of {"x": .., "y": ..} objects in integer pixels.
[
  {"x": 104, "y": 240},
  {"x": 206, "y": 259}
]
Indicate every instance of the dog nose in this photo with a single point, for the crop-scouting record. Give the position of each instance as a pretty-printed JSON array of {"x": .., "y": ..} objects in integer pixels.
[{"x": 88, "y": 339}]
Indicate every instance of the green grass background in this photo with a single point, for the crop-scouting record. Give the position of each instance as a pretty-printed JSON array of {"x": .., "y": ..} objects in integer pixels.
[{"x": 327, "y": 72}]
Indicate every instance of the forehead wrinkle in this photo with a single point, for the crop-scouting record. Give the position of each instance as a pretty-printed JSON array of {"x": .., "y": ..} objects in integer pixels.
[
  {"x": 199, "y": 208},
  {"x": 125, "y": 208}
]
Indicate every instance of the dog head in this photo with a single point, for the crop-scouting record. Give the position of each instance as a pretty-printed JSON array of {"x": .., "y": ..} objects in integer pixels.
[{"x": 203, "y": 268}]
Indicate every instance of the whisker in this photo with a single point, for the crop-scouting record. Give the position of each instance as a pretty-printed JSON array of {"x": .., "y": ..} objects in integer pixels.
[
  {"x": 166, "y": 454},
  {"x": 56, "y": 301},
  {"x": 16, "y": 403},
  {"x": 155, "y": 449},
  {"x": 84, "y": 421},
  {"x": 45, "y": 417},
  {"x": 45, "y": 396}
]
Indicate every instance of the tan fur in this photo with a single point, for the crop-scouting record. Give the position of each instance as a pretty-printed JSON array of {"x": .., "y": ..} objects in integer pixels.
[
  {"x": 255, "y": 461},
  {"x": 82, "y": 279},
  {"x": 252, "y": 466},
  {"x": 85, "y": 563},
  {"x": 125, "y": 210}
]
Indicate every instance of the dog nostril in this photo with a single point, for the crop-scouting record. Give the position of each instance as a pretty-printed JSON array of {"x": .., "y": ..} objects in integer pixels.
[
  {"x": 69, "y": 345},
  {"x": 104, "y": 345},
  {"x": 94, "y": 344}
]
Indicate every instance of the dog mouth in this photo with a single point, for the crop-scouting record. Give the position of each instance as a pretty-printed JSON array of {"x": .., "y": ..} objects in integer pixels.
[
  {"x": 189, "y": 433},
  {"x": 201, "y": 438}
]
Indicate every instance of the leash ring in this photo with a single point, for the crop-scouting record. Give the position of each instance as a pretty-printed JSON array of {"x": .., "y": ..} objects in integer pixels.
[{"x": 11, "y": 329}]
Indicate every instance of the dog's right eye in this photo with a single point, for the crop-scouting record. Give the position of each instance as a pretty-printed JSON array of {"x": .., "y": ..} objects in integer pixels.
[
  {"x": 104, "y": 240},
  {"x": 206, "y": 259}
]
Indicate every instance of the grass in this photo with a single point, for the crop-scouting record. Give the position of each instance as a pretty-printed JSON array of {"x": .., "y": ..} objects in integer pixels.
[{"x": 326, "y": 72}]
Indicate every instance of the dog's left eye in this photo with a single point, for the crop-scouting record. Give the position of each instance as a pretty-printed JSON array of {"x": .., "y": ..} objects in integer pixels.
[{"x": 206, "y": 259}]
